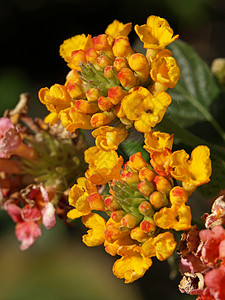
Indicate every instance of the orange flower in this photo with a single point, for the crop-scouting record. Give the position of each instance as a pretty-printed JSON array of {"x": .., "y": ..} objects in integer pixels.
[
  {"x": 156, "y": 34},
  {"x": 132, "y": 265},
  {"x": 157, "y": 141},
  {"x": 103, "y": 165}
]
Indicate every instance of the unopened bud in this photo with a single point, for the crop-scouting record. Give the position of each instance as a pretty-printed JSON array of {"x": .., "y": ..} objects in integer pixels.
[
  {"x": 127, "y": 78},
  {"x": 100, "y": 119},
  {"x": 129, "y": 221},
  {"x": 77, "y": 57},
  {"x": 146, "y": 188},
  {"x": 146, "y": 209},
  {"x": 113, "y": 233},
  {"x": 162, "y": 184},
  {"x": 148, "y": 225},
  {"x": 137, "y": 162},
  {"x": 91, "y": 56},
  {"x": 93, "y": 94},
  {"x": 119, "y": 63},
  {"x": 117, "y": 215},
  {"x": 75, "y": 90},
  {"x": 110, "y": 72},
  {"x": 100, "y": 43},
  {"x": 84, "y": 106},
  {"x": 111, "y": 203},
  {"x": 146, "y": 173},
  {"x": 104, "y": 61},
  {"x": 130, "y": 177},
  {"x": 122, "y": 47},
  {"x": 96, "y": 202},
  {"x": 104, "y": 103},
  {"x": 158, "y": 200},
  {"x": 178, "y": 195},
  {"x": 139, "y": 64},
  {"x": 116, "y": 94}
]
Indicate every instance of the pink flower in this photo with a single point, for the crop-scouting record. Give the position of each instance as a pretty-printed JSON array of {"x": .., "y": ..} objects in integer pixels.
[
  {"x": 27, "y": 233},
  {"x": 215, "y": 281},
  {"x": 10, "y": 139}
]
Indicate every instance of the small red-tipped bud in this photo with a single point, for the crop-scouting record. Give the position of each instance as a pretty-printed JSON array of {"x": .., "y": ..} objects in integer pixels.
[
  {"x": 158, "y": 200},
  {"x": 129, "y": 221},
  {"x": 96, "y": 202},
  {"x": 100, "y": 119},
  {"x": 117, "y": 215},
  {"x": 146, "y": 188},
  {"x": 139, "y": 64},
  {"x": 162, "y": 184},
  {"x": 146, "y": 174},
  {"x": 122, "y": 47},
  {"x": 74, "y": 90},
  {"x": 86, "y": 107},
  {"x": 104, "y": 61},
  {"x": 110, "y": 72},
  {"x": 127, "y": 78},
  {"x": 130, "y": 177},
  {"x": 93, "y": 94},
  {"x": 77, "y": 57},
  {"x": 104, "y": 103},
  {"x": 120, "y": 63},
  {"x": 111, "y": 203},
  {"x": 136, "y": 162},
  {"x": 146, "y": 209},
  {"x": 178, "y": 195},
  {"x": 100, "y": 43},
  {"x": 116, "y": 94},
  {"x": 138, "y": 234},
  {"x": 91, "y": 55},
  {"x": 148, "y": 225}
]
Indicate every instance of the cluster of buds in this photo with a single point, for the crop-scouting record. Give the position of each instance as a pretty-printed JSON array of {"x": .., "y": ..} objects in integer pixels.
[
  {"x": 203, "y": 256},
  {"x": 37, "y": 166},
  {"x": 108, "y": 75}
]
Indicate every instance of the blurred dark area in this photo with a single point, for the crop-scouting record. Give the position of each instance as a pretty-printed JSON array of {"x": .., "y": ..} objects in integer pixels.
[{"x": 59, "y": 266}]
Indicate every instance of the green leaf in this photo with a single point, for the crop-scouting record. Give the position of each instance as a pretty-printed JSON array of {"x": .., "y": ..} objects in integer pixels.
[{"x": 196, "y": 90}]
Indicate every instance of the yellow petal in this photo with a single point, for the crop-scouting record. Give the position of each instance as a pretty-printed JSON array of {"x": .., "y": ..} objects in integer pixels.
[{"x": 95, "y": 236}]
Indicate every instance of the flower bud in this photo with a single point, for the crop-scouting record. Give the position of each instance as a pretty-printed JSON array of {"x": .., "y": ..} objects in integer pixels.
[
  {"x": 178, "y": 195},
  {"x": 139, "y": 64},
  {"x": 162, "y": 184},
  {"x": 122, "y": 47},
  {"x": 74, "y": 90},
  {"x": 117, "y": 215},
  {"x": 113, "y": 233},
  {"x": 96, "y": 201},
  {"x": 93, "y": 94},
  {"x": 129, "y": 221},
  {"x": 116, "y": 94},
  {"x": 130, "y": 177},
  {"x": 146, "y": 188},
  {"x": 104, "y": 61},
  {"x": 119, "y": 63},
  {"x": 146, "y": 173},
  {"x": 91, "y": 56},
  {"x": 104, "y": 103},
  {"x": 148, "y": 225},
  {"x": 136, "y": 162},
  {"x": 146, "y": 209},
  {"x": 84, "y": 106},
  {"x": 100, "y": 119},
  {"x": 100, "y": 43},
  {"x": 111, "y": 203},
  {"x": 77, "y": 57},
  {"x": 127, "y": 78},
  {"x": 158, "y": 200}
]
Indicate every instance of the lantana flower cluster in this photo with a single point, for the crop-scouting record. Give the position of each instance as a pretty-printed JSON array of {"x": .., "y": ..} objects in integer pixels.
[{"x": 111, "y": 89}]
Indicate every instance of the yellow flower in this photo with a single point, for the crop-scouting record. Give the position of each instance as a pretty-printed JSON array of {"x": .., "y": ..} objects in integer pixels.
[
  {"x": 156, "y": 34},
  {"x": 132, "y": 265},
  {"x": 72, "y": 119},
  {"x": 77, "y": 42},
  {"x": 164, "y": 69},
  {"x": 157, "y": 141},
  {"x": 78, "y": 197},
  {"x": 192, "y": 171},
  {"x": 118, "y": 28},
  {"x": 176, "y": 217},
  {"x": 160, "y": 161},
  {"x": 145, "y": 109},
  {"x": 103, "y": 165},
  {"x": 95, "y": 236},
  {"x": 162, "y": 246},
  {"x": 56, "y": 98},
  {"x": 108, "y": 138}
]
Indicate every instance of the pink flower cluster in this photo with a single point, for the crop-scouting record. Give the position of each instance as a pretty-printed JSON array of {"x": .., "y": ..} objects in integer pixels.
[
  {"x": 28, "y": 218},
  {"x": 203, "y": 257}
]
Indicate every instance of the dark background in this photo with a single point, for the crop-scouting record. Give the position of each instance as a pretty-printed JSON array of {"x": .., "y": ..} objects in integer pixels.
[{"x": 59, "y": 266}]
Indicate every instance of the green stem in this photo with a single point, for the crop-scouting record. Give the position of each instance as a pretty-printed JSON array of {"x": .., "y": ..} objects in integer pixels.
[
  {"x": 203, "y": 111},
  {"x": 188, "y": 138}
]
